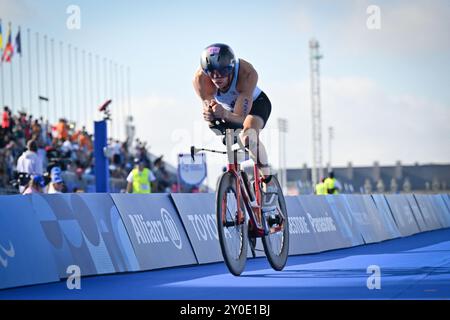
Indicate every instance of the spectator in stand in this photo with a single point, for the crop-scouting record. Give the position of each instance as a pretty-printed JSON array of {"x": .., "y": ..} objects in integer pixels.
[
  {"x": 6, "y": 120},
  {"x": 36, "y": 130},
  {"x": 62, "y": 129},
  {"x": 56, "y": 184},
  {"x": 3, "y": 169},
  {"x": 67, "y": 147},
  {"x": 36, "y": 185},
  {"x": 29, "y": 162},
  {"x": 162, "y": 176}
]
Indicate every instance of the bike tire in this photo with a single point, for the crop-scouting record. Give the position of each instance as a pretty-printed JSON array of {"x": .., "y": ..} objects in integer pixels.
[
  {"x": 233, "y": 239},
  {"x": 278, "y": 258}
]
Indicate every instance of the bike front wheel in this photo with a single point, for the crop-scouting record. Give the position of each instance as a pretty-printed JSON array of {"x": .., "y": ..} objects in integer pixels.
[
  {"x": 232, "y": 231},
  {"x": 276, "y": 243}
]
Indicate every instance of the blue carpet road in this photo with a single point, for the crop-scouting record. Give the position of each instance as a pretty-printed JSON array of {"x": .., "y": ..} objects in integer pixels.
[{"x": 416, "y": 267}]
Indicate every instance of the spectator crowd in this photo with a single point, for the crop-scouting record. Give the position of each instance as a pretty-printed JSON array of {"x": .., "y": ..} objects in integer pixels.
[{"x": 36, "y": 155}]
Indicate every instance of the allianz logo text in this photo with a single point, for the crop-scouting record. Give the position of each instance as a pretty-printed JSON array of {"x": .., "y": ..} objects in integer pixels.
[
  {"x": 156, "y": 231},
  {"x": 10, "y": 253}
]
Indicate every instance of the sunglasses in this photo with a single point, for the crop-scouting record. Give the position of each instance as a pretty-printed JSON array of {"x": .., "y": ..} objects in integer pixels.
[{"x": 221, "y": 73}]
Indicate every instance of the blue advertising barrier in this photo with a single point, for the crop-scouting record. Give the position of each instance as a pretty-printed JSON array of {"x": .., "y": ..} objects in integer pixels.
[
  {"x": 302, "y": 238},
  {"x": 417, "y": 214},
  {"x": 111, "y": 230},
  {"x": 368, "y": 221},
  {"x": 41, "y": 235},
  {"x": 25, "y": 257},
  {"x": 441, "y": 209},
  {"x": 323, "y": 223},
  {"x": 427, "y": 210},
  {"x": 84, "y": 230},
  {"x": 155, "y": 229},
  {"x": 386, "y": 215},
  {"x": 403, "y": 215},
  {"x": 341, "y": 211},
  {"x": 379, "y": 218},
  {"x": 198, "y": 214},
  {"x": 446, "y": 198}
]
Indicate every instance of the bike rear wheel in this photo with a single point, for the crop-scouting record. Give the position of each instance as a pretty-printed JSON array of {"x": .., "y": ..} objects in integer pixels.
[
  {"x": 232, "y": 233},
  {"x": 276, "y": 244}
]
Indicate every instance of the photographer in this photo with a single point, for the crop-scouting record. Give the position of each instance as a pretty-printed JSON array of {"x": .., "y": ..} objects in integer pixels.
[{"x": 28, "y": 164}]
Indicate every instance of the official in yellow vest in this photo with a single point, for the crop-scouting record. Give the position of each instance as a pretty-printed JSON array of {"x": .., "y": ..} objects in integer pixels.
[
  {"x": 320, "y": 187},
  {"x": 331, "y": 185},
  {"x": 140, "y": 178}
]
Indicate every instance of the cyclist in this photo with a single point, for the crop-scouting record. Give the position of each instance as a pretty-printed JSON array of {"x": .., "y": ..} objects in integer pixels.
[{"x": 228, "y": 88}]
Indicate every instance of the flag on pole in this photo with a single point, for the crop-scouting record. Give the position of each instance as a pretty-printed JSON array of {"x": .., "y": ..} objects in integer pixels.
[
  {"x": 18, "y": 43},
  {"x": 9, "y": 50},
  {"x": 1, "y": 37}
]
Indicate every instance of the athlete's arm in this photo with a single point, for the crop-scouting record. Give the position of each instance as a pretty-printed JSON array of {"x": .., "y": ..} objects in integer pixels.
[
  {"x": 247, "y": 83},
  {"x": 206, "y": 90}
]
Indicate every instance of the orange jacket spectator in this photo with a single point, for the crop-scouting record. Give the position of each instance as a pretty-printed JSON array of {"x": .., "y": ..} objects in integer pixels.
[
  {"x": 61, "y": 128},
  {"x": 85, "y": 142},
  {"x": 5, "y": 119},
  {"x": 74, "y": 138}
]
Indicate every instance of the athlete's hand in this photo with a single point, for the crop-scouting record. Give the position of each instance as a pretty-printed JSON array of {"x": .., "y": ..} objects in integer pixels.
[
  {"x": 218, "y": 111},
  {"x": 207, "y": 112}
]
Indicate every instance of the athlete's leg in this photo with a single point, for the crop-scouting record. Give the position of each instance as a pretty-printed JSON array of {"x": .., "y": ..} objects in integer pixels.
[{"x": 250, "y": 137}]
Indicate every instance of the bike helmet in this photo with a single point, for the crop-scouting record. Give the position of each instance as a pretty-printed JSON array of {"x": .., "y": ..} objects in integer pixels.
[{"x": 218, "y": 57}]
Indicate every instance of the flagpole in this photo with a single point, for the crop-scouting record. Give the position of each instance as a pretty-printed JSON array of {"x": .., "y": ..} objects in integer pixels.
[
  {"x": 97, "y": 72},
  {"x": 47, "y": 114},
  {"x": 2, "y": 79},
  {"x": 1, "y": 70},
  {"x": 61, "y": 55},
  {"x": 69, "y": 65},
  {"x": 38, "y": 76},
  {"x": 122, "y": 103},
  {"x": 91, "y": 97},
  {"x": 83, "y": 68},
  {"x": 55, "y": 108},
  {"x": 106, "y": 88},
  {"x": 111, "y": 82},
  {"x": 21, "y": 71},
  {"x": 77, "y": 109},
  {"x": 117, "y": 101},
  {"x": 11, "y": 70},
  {"x": 119, "y": 116},
  {"x": 30, "y": 73},
  {"x": 129, "y": 89},
  {"x": 105, "y": 83},
  {"x": 111, "y": 94}
]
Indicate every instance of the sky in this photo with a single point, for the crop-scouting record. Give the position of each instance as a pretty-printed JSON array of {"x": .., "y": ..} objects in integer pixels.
[{"x": 384, "y": 91}]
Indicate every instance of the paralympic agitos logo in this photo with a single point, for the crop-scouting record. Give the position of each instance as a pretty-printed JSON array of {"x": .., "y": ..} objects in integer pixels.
[{"x": 6, "y": 253}]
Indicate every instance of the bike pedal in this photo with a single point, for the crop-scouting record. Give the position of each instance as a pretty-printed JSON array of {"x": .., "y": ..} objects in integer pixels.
[
  {"x": 229, "y": 224},
  {"x": 273, "y": 220}
]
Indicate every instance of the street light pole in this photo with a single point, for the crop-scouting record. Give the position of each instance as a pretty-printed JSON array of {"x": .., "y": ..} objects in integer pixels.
[
  {"x": 282, "y": 130},
  {"x": 330, "y": 138}
]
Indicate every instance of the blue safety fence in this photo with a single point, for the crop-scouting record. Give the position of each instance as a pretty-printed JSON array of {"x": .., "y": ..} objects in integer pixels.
[
  {"x": 42, "y": 235},
  {"x": 155, "y": 230}
]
